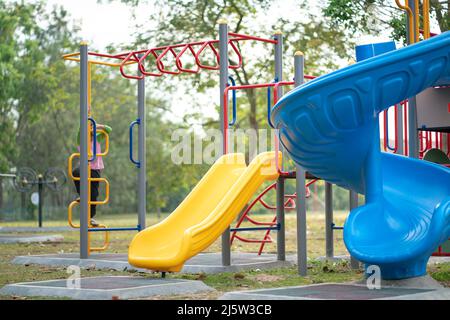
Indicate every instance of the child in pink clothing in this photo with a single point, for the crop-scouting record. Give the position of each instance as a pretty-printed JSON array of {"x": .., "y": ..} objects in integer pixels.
[{"x": 96, "y": 167}]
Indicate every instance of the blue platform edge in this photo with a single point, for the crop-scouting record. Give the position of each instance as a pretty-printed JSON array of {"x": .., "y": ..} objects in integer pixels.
[
  {"x": 330, "y": 127},
  {"x": 367, "y": 51}
]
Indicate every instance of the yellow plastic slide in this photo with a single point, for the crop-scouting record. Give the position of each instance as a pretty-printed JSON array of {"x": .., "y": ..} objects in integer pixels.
[{"x": 204, "y": 215}]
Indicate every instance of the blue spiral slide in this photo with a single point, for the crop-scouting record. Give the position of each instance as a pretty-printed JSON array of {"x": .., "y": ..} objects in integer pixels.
[{"x": 330, "y": 127}]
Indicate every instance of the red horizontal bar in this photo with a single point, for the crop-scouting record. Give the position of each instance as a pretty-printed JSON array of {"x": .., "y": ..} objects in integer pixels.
[
  {"x": 432, "y": 34},
  {"x": 133, "y": 55},
  {"x": 247, "y": 37}
]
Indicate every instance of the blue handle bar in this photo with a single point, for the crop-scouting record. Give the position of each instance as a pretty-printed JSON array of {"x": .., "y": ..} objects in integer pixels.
[
  {"x": 269, "y": 104},
  {"x": 94, "y": 139},
  {"x": 132, "y": 124},
  {"x": 233, "y": 83}
]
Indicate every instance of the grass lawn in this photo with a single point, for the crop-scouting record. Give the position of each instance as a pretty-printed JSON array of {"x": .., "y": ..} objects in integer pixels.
[{"x": 318, "y": 271}]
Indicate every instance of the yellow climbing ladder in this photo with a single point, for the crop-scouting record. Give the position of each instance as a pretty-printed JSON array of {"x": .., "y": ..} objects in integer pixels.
[{"x": 90, "y": 179}]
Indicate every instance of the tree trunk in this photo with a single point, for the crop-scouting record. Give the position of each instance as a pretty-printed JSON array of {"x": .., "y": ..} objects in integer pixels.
[
  {"x": 23, "y": 208},
  {"x": 1, "y": 193},
  {"x": 158, "y": 212},
  {"x": 441, "y": 17}
]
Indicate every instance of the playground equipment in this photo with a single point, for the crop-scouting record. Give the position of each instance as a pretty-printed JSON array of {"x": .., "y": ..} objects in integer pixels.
[
  {"x": 289, "y": 204},
  {"x": 280, "y": 206},
  {"x": 26, "y": 178},
  {"x": 154, "y": 58},
  {"x": 196, "y": 224},
  {"x": 427, "y": 113},
  {"x": 409, "y": 136},
  {"x": 405, "y": 216},
  {"x": 162, "y": 254},
  {"x": 330, "y": 126},
  {"x": 88, "y": 136}
]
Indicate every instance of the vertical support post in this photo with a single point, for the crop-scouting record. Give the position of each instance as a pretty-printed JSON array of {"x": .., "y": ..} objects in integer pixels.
[
  {"x": 223, "y": 55},
  {"x": 353, "y": 201},
  {"x": 278, "y": 36},
  {"x": 444, "y": 148},
  {"x": 413, "y": 143},
  {"x": 302, "y": 254},
  {"x": 142, "y": 175},
  {"x": 84, "y": 192},
  {"x": 329, "y": 232},
  {"x": 281, "y": 234},
  {"x": 41, "y": 199}
]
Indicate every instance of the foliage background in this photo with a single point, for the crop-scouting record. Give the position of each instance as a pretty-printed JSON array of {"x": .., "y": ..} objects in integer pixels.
[{"x": 39, "y": 91}]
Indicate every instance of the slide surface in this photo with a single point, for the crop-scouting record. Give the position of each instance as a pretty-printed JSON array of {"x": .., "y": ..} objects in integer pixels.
[
  {"x": 205, "y": 213},
  {"x": 330, "y": 127}
]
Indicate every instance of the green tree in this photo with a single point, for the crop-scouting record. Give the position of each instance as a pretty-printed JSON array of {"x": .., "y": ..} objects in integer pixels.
[
  {"x": 30, "y": 43},
  {"x": 29, "y": 69},
  {"x": 39, "y": 114},
  {"x": 374, "y": 16},
  {"x": 182, "y": 21}
]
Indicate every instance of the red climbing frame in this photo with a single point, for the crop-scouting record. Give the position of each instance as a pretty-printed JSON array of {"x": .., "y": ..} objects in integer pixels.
[
  {"x": 196, "y": 49},
  {"x": 290, "y": 202},
  {"x": 275, "y": 86},
  {"x": 155, "y": 56},
  {"x": 425, "y": 143},
  {"x": 427, "y": 139}
]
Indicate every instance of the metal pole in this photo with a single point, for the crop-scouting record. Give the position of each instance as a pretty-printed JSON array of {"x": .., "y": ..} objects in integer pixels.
[
  {"x": 412, "y": 5},
  {"x": 41, "y": 199},
  {"x": 302, "y": 253},
  {"x": 413, "y": 143},
  {"x": 353, "y": 204},
  {"x": 281, "y": 234},
  {"x": 223, "y": 54},
  {"x": 84, "y": 241},
  {"x": 329, "y": 232},
  {"x": 142, "y": 176},
  {"x": 445, "y": 142},
  {"x": 278, "y": 35}
]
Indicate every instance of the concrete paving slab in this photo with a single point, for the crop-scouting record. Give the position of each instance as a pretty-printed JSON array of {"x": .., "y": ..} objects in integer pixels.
[
  {"x": 423, "y": 282},
  {"x": 30, "y": 239},
  {"x": 212, "y": 263},
  {"x": 202, "y": 263},
  {"x": 432, "y": 260},
  {"x": 330, "y": 291},
  {"x": 107, "y": 288}
]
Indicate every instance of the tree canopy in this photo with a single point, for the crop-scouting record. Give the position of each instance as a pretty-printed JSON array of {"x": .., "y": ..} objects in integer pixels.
[
  {"x": 39, "y": 91},
  {"x": 375, "y": 16}
]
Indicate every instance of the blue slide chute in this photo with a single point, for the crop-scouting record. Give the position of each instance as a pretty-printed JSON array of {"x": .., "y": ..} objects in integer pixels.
[{"x": 330, "y": 127}]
